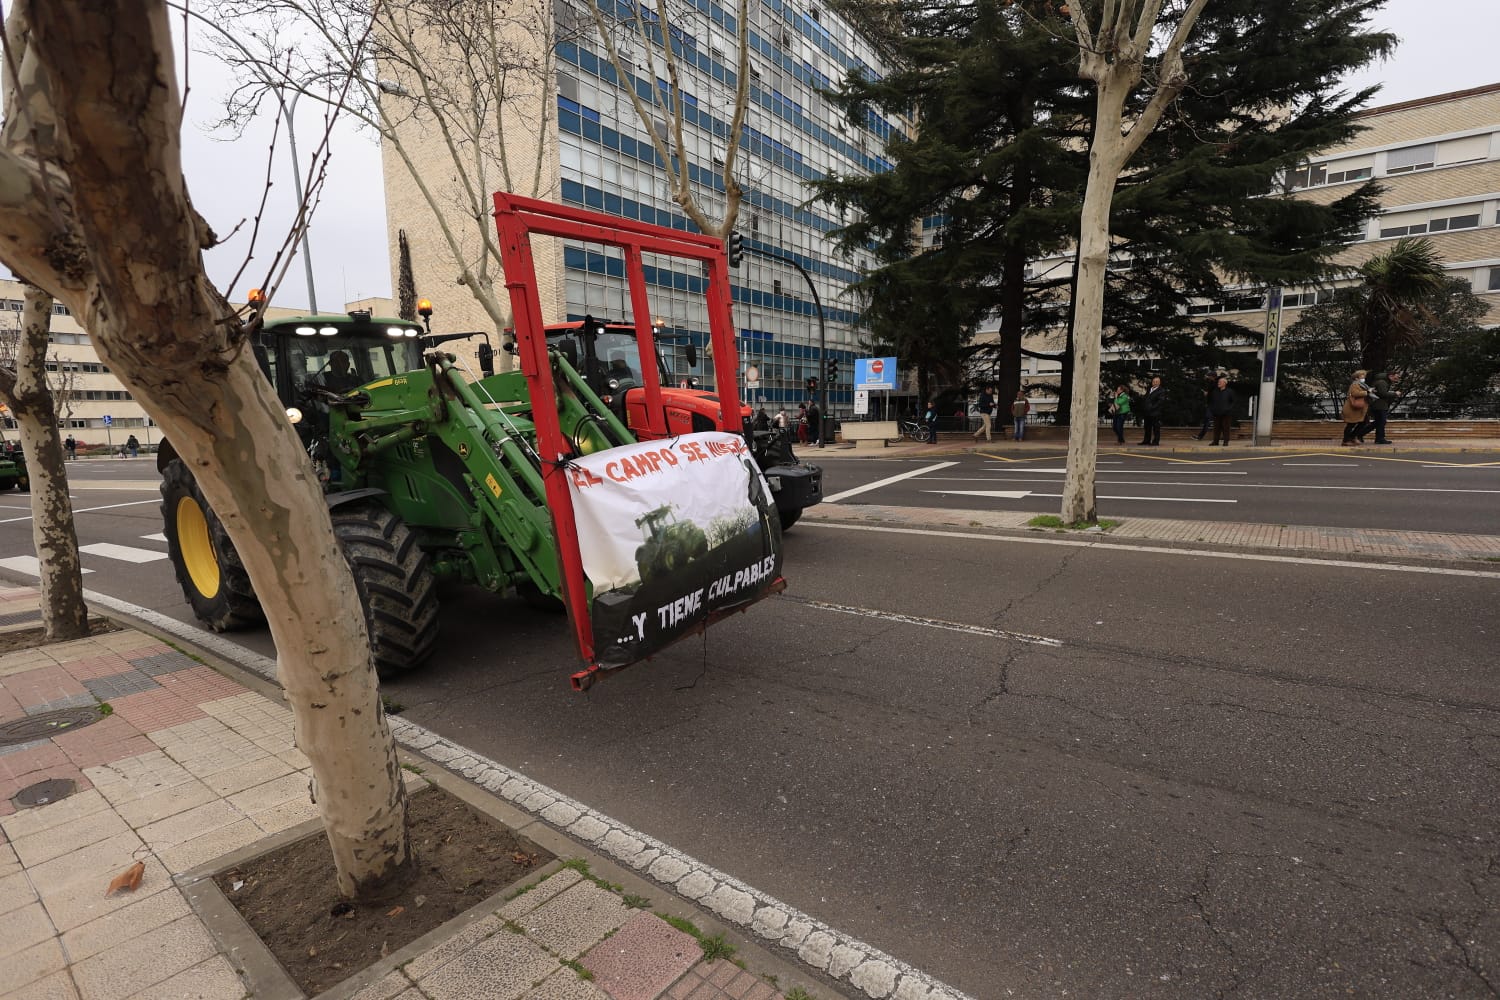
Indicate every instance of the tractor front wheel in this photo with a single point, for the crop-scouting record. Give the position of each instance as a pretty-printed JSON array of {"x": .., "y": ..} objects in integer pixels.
[
  {"x": 395, "y": 584},
  {"x": 213, "y": 579}
]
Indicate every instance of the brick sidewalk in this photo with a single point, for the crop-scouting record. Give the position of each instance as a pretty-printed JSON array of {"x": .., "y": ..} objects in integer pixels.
[{"x": 185, "y": 766}]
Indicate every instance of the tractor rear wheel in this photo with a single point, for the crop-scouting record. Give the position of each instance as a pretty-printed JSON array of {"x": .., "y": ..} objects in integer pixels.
[
  {"x": 395, "y": 584},
  {"x": 213, "y": 579}
]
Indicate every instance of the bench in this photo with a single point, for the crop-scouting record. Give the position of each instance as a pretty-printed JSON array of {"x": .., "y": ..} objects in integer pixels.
[{"x": 870, "y": 434}]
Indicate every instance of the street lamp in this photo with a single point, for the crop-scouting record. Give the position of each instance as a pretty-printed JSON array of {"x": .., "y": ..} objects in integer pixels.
[{"x": 289, "y": 114}]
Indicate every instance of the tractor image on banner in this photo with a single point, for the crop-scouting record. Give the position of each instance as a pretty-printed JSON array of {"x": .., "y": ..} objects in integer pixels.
[{"x": 523, "y": 481}]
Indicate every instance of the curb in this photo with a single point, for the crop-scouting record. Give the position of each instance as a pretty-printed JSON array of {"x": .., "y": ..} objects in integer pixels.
[{"x": 767, "y": 920}]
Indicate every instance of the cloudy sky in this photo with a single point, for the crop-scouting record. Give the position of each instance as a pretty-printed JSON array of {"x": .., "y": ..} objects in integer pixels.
[{"x": 1447, "y": 45}]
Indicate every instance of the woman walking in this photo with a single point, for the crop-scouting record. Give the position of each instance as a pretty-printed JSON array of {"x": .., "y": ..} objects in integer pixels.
[
  {"x": 1119, "y": 411},
  {"x": 1356, "y": 410}
]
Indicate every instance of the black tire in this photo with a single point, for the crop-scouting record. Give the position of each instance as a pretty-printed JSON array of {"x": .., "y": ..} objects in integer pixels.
[
  {"x": 212, "y": 577},
  {"x": 24, "y": 483},
  {"x": 789, "y": 518},
  {"x": 396, "y": 587}
]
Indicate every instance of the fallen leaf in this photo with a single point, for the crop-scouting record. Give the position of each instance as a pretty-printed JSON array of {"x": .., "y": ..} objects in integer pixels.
[
  {"x": 129, "y": 880},
  {"x": 385, "y": 948},
  {"x": 395, "y": 911}
]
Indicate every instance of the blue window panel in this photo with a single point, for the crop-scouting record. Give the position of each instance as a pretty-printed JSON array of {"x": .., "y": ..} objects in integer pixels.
[
  {"x": 568, "y": 122},
  {"x": 612, "y": 203},
  {"x": 572, "y": 191},
  {"x": 679, "y": 281},
  {"x": 575, "y": 258},
  {"x": 593, "y": 198},
  {"x": 627, "y": 146},
  {"x": 588, "y": 62},
  {"x": 590, "y": 113},
  {"x": 611, "y": 139},
  {"x": 567, "y": 105},
  {"x": 591, "y": 131},
  {"x": 614, "y": 267}
]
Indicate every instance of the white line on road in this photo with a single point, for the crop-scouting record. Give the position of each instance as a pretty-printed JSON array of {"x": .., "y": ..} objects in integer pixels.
[
  {"x": 998, "y": 633},
  {"x": 29, "y": 565},
  {"x": 1327, "y": 465},
  {"x": 1139, "y": 472},
  {"x": 1363, "y": 567},
  {"x": 1251, "y": 486},
  {"x": 996, "y": 494},
  {"x": 90, "y": 510},
  {"x": 158, "y": 537},
  {"x": 1103, "y": 496},
  {"x": 886, "y": 482},
  {"x": 124, "y": 553}
]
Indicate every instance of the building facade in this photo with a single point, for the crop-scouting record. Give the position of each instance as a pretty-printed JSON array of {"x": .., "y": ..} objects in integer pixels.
[{"x": 601, "y": 157}]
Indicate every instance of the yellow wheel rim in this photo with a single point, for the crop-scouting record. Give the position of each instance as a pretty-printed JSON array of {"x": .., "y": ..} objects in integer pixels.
[{"x": 197, "y": 548}]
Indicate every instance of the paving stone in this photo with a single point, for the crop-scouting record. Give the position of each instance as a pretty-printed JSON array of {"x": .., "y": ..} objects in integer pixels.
[
  {"x": 560, "y": 814},
  {"x": 912, "y": 988},
  {"x": 287, "y": 788},
  {"x": 58, "y": 986},
  {"x": 107, "y": 858},
  {"x": 876, "y": 978},
  {"x": 501, "y": 967},
  {"x": 589, "y": 829},
  {"x": 190, "y": 824},
  {"x": 564, "y": 984},
  {"x": 83, "y": 901},
  {"x": 732, "y": 904},
  {"x": 576, "y": 920},
  {"x": 136, "y": 777},
  {"x": 392, "y": 985},
  {"x": 208, "y": 980},
  {"x": 239, "y": 777},
  {"x": 695, "y": 885},
  {"x": 23, "y": 927},
  {"x": 450, "y": 949},
  {"x": 145, "y": 960},
  {"x": 817, "y": 949},
  {"x": 15, "y": 892},
  {"x": 67, "y": 810},
  {"x": 842, "y": 959},
  {"x": 166, "y": 803},
  {"x": 667, "y": 869},
  {"x": 770, "y": 922},
  {"x": 119, "y": 685},
  {"x": 285, "y": 816},
  {"x": 138, "y": 915},
  {"x": 192, "y": 853},
  {"x": 642, "y": 959},
  {"x": 549, "y": 888},
  {"x": 28, "y": 965},
  {"x": 154, "y": 664},
  {"x": 56, "y": 841}
]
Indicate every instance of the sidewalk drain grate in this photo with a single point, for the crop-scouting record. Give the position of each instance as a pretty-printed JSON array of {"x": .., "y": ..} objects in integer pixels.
[
  {"x": 21, "y": 618},
  {"x": 47, "y": 724},
  {"x": 44, "y": 792}
]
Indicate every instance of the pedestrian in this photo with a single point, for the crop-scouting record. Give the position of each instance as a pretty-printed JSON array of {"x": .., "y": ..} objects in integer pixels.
[
  {"x": 814, "y": 424},
  {"x": 1221, "y": 403},
  {"x": 762, "y": 421},
  {"x": 929, "y": 417},
  {"x": 1383, "y": 396},
  {"x": 986, "y": 407},
  {"x": 779, "y": 421},
  {"x": 134, "y": 446},
  {"x": 1209, "y": 381},
  {"x": 1119, "y": 411},
  {"x": 71, "y": 447},
  {"x": 1356, "y": 411},
  {"x": 802, "y": 423},
  {"x": 1151, "y": 408},
  {"x": 1018, "y": 411}
]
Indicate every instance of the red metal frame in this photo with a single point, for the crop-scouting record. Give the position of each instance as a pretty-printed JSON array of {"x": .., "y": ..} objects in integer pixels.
[{"x": 516, "y": 219}]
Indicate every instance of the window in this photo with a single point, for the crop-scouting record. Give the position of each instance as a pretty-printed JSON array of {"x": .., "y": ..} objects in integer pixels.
[
  {"x": 1438, "y": 220},
  {"x": 1403, "y": 161},
  {"x": 1495, "y": 279}
]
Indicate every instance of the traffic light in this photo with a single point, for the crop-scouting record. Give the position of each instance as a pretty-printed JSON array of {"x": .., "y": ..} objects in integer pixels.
[
  {"x": 833, "y": 369},
  {"x": 812, "y": 383},
  {"x": 736, "y": 252}
]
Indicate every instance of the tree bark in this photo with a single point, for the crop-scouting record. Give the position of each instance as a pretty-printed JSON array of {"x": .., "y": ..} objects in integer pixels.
[
  {"x": 64, "y": 613},
  {"x": 109, "y": 229}
]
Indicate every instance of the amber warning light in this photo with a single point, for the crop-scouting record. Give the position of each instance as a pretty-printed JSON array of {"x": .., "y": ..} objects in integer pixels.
[
  {"x": 424, "y": 307},
  {"x": 256, "y": 297}
]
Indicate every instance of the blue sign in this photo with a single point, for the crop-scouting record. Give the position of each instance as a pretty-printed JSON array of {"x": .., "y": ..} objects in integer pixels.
[
  {"x": 108, "y": 420},
  {"x": 875, "y": 373}
]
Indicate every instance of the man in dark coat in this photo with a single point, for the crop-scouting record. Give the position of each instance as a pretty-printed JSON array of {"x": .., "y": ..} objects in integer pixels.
[
  {"x": 1151, "y": 408},
  {"x": 1383, "y": 396},
  {"x": 1221, "y": 402}
]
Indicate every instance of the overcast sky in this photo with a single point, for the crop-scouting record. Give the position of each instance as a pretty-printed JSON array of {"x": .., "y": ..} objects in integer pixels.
[{"x": 1447, "y": 45}]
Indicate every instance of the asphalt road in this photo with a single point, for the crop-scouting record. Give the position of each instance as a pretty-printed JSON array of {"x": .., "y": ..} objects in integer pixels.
[
  {"x": 1087, "y": 772},
  {"x": 1432, "y": 492}
]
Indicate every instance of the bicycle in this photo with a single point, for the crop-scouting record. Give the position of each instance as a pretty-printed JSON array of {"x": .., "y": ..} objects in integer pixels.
[{"x": 910, "y": 429}]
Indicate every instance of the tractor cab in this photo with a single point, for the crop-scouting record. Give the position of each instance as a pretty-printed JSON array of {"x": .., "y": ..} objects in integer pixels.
[
  {"x": 335, "y": 354},
  {"x": 608, "y": 356}
]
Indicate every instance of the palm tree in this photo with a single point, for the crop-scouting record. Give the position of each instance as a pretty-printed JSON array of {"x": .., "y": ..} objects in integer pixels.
[{"x": 1398, "y": 290}]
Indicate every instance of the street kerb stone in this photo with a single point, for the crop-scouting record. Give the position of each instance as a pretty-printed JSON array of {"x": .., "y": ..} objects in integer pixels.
[
  {"x": 843, "y": 960},
  {"x": 732, "y": 904},
  {"x": 817, "y": 949},
  {"x": 643, "y": 958},
  {"x": 876, "y": 978},
  {"x": 576, "y": 920}
]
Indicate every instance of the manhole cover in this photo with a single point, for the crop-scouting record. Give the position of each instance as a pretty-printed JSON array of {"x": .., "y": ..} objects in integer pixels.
[
  {"x": 44, "y": 792},
  {"x": 46, "y": 724}
]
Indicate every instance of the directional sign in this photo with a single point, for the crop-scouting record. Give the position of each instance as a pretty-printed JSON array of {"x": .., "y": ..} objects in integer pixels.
[
  {"x": 108, "y": 420},
  {"x": 875, "y": 373}
]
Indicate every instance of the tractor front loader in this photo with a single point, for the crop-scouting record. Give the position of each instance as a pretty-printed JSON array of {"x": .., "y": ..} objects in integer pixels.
[{"x": 521, "y": 481}]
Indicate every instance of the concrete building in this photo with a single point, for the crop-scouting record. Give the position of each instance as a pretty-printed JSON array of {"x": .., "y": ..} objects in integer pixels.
[{"x": 595, "y": 153}]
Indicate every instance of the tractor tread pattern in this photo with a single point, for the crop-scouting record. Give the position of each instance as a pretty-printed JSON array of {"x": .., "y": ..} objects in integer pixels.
[
  {"x": 235, "y": 606},
  {"x": 396, "y": 586}
]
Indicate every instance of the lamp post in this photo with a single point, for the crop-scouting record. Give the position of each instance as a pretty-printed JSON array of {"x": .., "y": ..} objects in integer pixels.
[
  {"x": 786, "y": 258},
  {"x": 289, "y": 114}
]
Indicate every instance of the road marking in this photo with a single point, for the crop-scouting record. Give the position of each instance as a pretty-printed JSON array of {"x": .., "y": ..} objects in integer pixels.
[
  {"x": 27, "y": 564},
  {"x": 158, "y": 537},
  {"x": 1102, "y": 496},
  {"x": 1328, "y": 465},
  {"x": 1363, "y": 567},
  {"x": 996, "y": 494},
  {"x": 1247, "y": 486},
  {"x": 89, "y": 510},
  {"x": 890, "y": 616},
  {"x": 1149, "y": 472},
  {"x": 884, "y": 482},
  {"x": 124, "y": 553}
]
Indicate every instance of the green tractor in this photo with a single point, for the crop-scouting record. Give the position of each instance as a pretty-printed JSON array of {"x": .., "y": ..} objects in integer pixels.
[
  {"x": 670, "y": 544},
  {"x": 13, "y": 468},
  {"x": 434, "y": 473}
]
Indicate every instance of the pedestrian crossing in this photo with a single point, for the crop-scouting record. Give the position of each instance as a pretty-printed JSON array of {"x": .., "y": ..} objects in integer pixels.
[{"x": 29, "y": 565}]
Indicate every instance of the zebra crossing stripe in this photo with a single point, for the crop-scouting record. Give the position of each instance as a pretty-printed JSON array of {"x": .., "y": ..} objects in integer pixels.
[
  {"x": 124, "y": 553},
  {"x": 29, "y": 565}
]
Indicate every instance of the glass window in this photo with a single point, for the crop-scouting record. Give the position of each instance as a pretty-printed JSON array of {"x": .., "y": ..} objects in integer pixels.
[
  {"x": 1411, "y": 158},
  {"x": 1495, "y": 279}
]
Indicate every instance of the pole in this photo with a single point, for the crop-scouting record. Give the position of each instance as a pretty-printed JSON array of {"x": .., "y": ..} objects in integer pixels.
[
  {"x": 1266, "y": 404},
  {"x": 787, "y": 258},
  {"x": 291, "y": 136}
]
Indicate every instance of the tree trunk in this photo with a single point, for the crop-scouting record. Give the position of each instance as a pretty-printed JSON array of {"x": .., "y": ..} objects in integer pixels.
[
  {"x": 111, "y": 232},
  {"x": 64, "y": 613},
  {"x": 1105, "y": 163},
  {"x": 1012, "y": 316}
]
